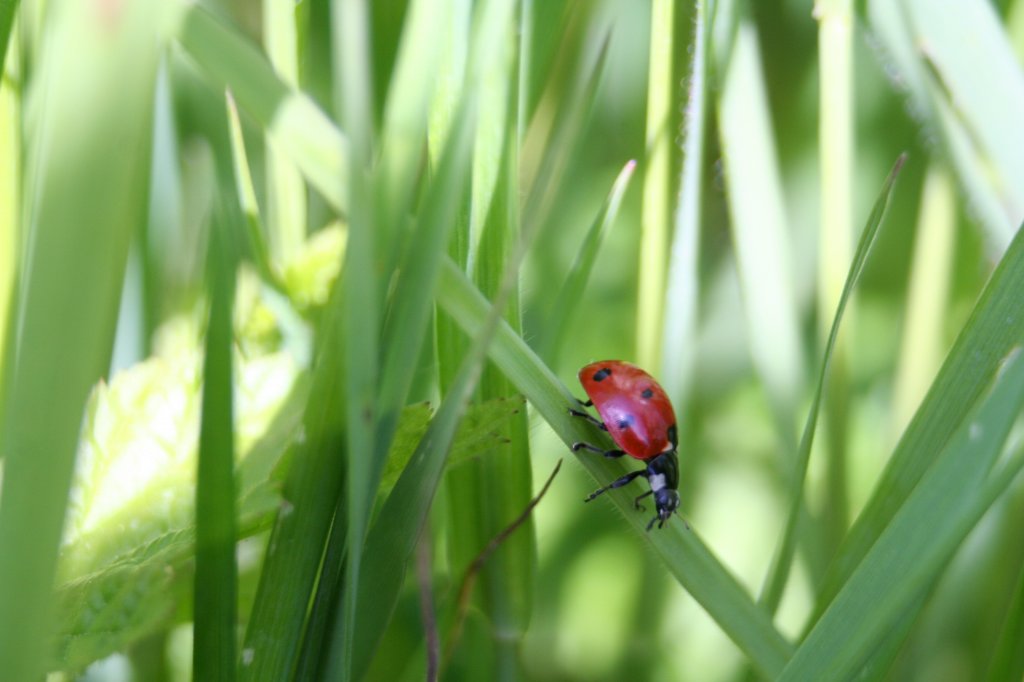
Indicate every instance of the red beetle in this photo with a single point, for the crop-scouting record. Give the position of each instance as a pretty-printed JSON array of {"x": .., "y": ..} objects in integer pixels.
[{"x": 639, "y": 417}]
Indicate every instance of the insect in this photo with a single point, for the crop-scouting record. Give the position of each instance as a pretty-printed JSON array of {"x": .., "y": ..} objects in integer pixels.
[{"x": 638, "y": 416}]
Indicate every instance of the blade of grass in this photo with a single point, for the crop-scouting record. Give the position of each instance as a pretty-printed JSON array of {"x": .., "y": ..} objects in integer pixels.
[
  {"x": 682, "y": 287},
  {"x": 654, "y": 220},
  {"x": 775, "y": 581},
  {"x": 995, "y": 326},
  {"x": 1008, "y": 660},
  {"x": 835, "y": 242},
  {"x": 404, "y": 336},
  {"x": 84, "y": 205},
  {"x": 972, "y": 93},
  {"x": 10, "y": 208},
  {"x": 215, "y": 582},
  {"x": 927, "y": 295},
  {"x": 758, "y": 217},
  {"x": 397, "y": 529},
  {"x": 286, "y": 191},
  {"x": 247, "y": 198},
  {"x": 559, "y": 319},
  {"x": 361, "y": 308},
  {"x": 950, "y": 499},
  {"x": 296, "y": 126},
  {"x": 7, "y": 11},
  {"x": 689, "y": 560},
  {"x": 406, "y": 113}
]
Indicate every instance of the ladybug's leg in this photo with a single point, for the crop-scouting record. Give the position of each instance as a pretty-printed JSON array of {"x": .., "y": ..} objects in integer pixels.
[
  {"x": 576, "y": 447},
  {"x": 596, "y": 422},
  {"x": 617, "y": 483},
  {"x": 636, "y": 502}
]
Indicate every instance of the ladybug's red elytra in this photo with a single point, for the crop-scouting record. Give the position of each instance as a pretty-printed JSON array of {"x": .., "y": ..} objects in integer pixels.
[{"x": 638, "y": 415}]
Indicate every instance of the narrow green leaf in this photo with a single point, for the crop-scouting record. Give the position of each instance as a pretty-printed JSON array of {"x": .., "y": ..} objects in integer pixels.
[
  {"x": 775, "y": 581},
  {"x": 410, "y": 309},
  {"x": 394, "y": 535},
  {"x": 961, "y": 72},
  {"x": 214, "y": 600},
  {"x": 83, "y": 203},
  {"x": 654, "y": 222},
  {"x": 362, "y": 312},
  {"x": 949, "y": 500},
  {"x": 7, "y": 11},
  {"x": 559, "y": 319},
  {"x": 758, "y": 215},
  {"x": 927, "y": 306},
  {"x": 247, "y": 196},
  {"x": 296, "y": 126},
  {"x": 996, "y": 325},
  {"x": 682, "y": 287},
  {"x": 1008, "y": 660},
  {"x": 684, "y": 554},
  {"x": 285, "y": 189}
]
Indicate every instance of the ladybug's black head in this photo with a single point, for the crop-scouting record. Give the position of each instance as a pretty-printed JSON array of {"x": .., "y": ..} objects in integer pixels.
[{"x": 666, "y": 501}]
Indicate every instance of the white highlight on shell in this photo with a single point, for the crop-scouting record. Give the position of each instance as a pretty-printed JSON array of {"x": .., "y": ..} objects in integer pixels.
[{"x": 657, "y": 481}]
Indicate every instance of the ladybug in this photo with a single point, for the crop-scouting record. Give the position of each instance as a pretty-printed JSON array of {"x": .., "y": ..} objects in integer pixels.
[{"x": 639, "y": 417}]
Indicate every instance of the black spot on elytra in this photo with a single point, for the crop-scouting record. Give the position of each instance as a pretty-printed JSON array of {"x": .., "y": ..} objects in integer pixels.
[
  {"x": 672, "y": 436},
  {"x": 602, "y": 374},
  {"x": 647, "y": 394},
  {"x": 625, "y": 422}
]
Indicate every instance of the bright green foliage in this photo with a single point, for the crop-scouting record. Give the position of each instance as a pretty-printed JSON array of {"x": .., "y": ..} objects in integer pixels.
[{"x": 294, "y": 296}]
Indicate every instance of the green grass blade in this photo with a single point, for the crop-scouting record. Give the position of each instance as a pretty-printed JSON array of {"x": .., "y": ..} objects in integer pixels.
[
  {"x": 775, "y": 582},
  {"x": 1008, "y": 660},
  {"x": 296, "y": 126},
  {"x": 410, "y": 309},
  {"x": 362, "y": 309},
  {"x": 215, "y": 607},
  {"x": 296, "y": 543},
  {"x": 7, "y": 11},
  {"x": 949, "y": 501},
  {"x": 83, "y": 204},
  {"x": 971, "y": 91},
  {"x": 560, "y": 317},
  {"x": 927, "y": 295},
  {"x": 247, "y": 197},
  {"x": 758, "y": 216},
  {"x": 394, "y": 535},
  {"x": 406, "y": 112},
  {"x": 684, "y": 554},
  {"x": 11, "y": 172},
  {"x": 682, "y": 289},
  {"x": 995, "y": 326},
  {"x": 285, "y": 189},
  {"x": 835, "y": 244},
  {"x": 654, "y": 230}
]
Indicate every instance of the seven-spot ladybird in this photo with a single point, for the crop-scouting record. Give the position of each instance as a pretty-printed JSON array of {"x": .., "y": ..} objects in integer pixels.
[{"x": 639, "y": 417}]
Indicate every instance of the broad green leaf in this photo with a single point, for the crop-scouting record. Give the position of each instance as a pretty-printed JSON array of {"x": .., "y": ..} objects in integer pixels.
[{"x": 480, "y": 431}]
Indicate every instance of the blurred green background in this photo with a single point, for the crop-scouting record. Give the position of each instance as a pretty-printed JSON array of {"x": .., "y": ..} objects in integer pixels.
[{"x": 253, "y": 257}]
